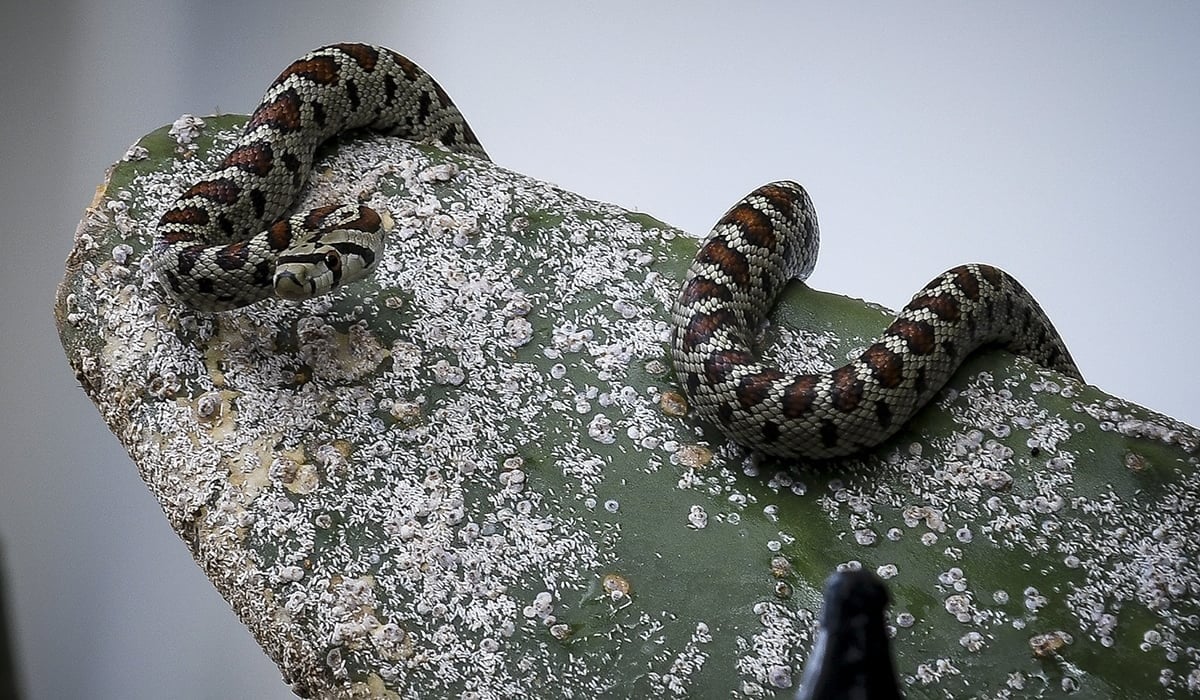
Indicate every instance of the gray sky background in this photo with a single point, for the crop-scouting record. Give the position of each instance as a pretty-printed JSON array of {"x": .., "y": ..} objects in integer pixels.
[{"x": 1056, "y": 140}]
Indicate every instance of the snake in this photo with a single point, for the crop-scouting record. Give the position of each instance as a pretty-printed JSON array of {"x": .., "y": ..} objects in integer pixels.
[
  {"x": 225, "y": 242},
  {"x": 769, "y": 238}
]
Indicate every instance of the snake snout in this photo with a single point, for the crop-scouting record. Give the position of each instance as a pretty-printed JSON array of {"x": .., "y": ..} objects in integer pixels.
[{"x": 294, "y": 284}]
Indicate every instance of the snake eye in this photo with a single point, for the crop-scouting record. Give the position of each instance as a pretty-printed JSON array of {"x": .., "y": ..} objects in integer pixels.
[{"x": 332, "y": 260}]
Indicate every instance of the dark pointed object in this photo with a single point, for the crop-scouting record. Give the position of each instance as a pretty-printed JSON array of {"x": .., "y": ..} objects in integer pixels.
[{"x": 852, "y": 658}]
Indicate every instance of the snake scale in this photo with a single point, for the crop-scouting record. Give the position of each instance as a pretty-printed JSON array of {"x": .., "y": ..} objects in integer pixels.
[
  {"x": 222, "y": 244},
  {"x": 770, "y": 237}
]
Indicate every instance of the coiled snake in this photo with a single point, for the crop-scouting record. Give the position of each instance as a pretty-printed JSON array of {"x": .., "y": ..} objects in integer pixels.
[{"x": 222, "y": 245}]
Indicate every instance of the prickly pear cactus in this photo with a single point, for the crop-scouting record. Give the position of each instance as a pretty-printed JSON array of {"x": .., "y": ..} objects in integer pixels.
[{"x": 474, "y": 476}]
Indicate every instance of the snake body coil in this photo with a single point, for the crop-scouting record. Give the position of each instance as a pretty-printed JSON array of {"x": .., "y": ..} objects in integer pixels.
[
  {"x": 770, "y": 237},
  {"x": 223, "y": 245}
]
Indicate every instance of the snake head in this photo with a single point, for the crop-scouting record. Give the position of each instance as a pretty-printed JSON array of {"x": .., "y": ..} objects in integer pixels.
[{"x": 343, "y": 249}]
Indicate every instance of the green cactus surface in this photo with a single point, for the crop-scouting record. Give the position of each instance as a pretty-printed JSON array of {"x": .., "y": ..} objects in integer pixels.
[{"x": 473, "y": 475}]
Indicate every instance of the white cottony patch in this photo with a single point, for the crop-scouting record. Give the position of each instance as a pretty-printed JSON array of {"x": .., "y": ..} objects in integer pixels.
[
  {"x": 446, "y": 373},
  {"x": 185, "y": 130},
  {"x": 136, "y": 152},
  {"x": 781, "y": 629},
  {"x": 601, "y": 430},
  {"x": 121, "y": 253},
  {"x": 518, "y": 332},
  {"x": 442, "y": 172},
  {"x": 676, "y": 680}
]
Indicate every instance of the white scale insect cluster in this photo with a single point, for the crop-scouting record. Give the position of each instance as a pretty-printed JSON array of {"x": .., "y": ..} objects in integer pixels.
[
  {"x": 1140, "y": 555},
  {"x": 299, "y": 441},
  {"x": 435, "y": 475}
]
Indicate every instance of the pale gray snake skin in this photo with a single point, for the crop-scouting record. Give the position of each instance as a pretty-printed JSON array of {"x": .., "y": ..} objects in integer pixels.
[
  {"x": 223, "y": 244},
  {"x": 770, "y": 237}
]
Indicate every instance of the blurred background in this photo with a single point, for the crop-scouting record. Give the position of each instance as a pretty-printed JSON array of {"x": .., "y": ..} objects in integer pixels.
[{"x": 1058, "y": 141}]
